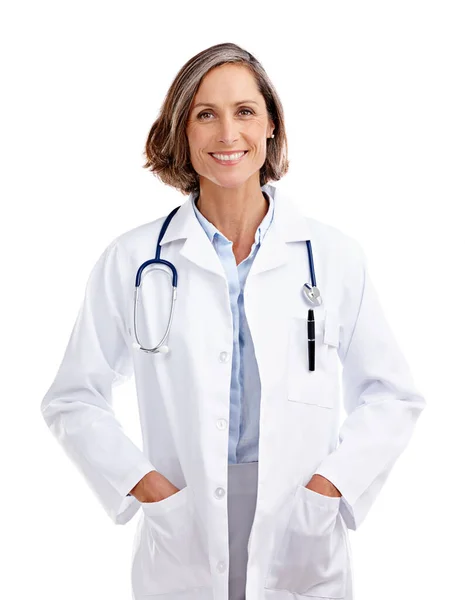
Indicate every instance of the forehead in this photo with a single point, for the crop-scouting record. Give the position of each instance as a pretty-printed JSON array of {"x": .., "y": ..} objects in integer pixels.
[{"x": 228, "y": 84}]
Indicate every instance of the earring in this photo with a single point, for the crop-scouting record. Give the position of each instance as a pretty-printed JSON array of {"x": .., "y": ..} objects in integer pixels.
[{"x": 272, "y": 135}]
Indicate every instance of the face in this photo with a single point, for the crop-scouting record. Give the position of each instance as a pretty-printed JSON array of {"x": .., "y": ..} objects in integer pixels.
[{"x": 231, "y": 116}]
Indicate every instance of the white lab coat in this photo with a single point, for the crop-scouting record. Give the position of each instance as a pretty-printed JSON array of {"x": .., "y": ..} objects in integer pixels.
[{"x": 299, "y": 544}]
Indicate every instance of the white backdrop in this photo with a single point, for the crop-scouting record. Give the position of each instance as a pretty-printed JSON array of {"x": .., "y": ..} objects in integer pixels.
[{"x": 373, "y": 96}]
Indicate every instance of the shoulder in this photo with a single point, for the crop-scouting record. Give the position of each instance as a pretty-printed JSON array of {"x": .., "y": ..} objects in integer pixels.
[
  {"x": 336, "y": 242},
  {"x": 139, "y": 239},
  {"x": 298, "y": 225},
  {"x": 123, "y": 253}
]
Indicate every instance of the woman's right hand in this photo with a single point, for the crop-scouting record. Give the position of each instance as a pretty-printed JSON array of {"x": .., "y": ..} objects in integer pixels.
[{"x": 153, "y": 487}]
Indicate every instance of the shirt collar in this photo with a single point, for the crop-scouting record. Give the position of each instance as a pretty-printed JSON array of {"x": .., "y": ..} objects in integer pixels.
[{"x": 212, "y": 231}]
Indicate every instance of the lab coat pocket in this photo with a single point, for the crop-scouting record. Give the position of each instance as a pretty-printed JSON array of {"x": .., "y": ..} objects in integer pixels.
[
  {"x": 311, "y": 558},
  {"x": 176, "y": 500},
  {"x": 321, "y": 386},
  {"x": 172, "y": 553}
]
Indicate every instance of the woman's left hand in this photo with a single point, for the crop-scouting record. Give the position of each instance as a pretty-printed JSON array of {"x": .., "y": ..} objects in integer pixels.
[{"x": 323, "y": 486}]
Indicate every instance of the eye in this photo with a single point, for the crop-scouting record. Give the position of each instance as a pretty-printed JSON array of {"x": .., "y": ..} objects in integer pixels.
[{"x": 207, "y": 112}]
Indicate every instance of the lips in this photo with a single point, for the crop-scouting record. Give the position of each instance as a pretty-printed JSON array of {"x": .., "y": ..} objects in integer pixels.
[{"x": 229, "y": 162}]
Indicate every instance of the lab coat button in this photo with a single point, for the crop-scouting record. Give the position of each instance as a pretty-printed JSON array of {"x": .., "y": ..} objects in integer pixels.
[
  {"x": 219, "y": 492},
  {"x": 221, "y": 423},
  {"x": 221, "y": 567},
  {"x": 224, "y": 356}
]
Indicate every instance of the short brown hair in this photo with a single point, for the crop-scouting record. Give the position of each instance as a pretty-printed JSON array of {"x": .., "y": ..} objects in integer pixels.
[{"x": 167, "y": 148}]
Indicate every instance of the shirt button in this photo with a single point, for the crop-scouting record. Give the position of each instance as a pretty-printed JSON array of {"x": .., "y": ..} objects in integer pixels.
[
  {"x": 221, "y": 423},
  {"x": 224, "y": 356},
  {"x": 221, "y": 567},
  {"x": 219, "y": 492}
]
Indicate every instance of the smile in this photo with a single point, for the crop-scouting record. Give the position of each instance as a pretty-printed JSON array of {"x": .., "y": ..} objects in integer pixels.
[{"x": 228, "y": 159}]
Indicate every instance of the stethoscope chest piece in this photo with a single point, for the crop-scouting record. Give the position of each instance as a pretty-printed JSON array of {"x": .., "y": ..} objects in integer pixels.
[{"x": 312, "y": 294}]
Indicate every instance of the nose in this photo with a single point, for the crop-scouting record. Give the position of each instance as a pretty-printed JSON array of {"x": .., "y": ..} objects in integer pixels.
[{"x": 228, "y": 131}]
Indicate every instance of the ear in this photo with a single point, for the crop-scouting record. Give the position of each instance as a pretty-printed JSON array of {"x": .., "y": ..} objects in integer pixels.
[{"x": 271, "y": 128}]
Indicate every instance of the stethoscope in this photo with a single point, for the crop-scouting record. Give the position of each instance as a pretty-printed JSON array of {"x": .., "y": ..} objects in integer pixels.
[{"x": 311, "y": 292}]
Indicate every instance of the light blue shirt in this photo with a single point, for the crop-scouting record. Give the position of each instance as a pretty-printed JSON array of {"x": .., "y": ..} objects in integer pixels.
[{"x": 245, "y": 390}]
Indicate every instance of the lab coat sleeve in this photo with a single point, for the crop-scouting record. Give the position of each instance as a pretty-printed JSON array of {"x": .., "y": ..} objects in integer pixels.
[
  {"x": 379, "y": 395},
  {"x": 78, "y": 406}
]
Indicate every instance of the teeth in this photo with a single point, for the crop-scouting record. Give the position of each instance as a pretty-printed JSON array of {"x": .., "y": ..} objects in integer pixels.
[{"x": 229, "y": 156}]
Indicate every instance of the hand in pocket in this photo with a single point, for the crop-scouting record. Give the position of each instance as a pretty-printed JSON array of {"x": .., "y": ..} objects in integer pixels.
[
  {"x": 154, "y": 487},
  {"x": 311, "y": 556}
]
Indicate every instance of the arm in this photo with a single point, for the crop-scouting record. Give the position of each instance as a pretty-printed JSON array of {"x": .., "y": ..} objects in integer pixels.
[
  {"x": 78, "y": 406},
  {"x": 380, "y": 399}
]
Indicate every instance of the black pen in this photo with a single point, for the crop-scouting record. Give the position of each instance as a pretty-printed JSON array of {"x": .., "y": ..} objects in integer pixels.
[{"x": 311, "y": 340}]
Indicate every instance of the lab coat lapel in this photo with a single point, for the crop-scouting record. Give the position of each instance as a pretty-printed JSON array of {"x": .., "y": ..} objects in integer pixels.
[{"x": 197, "y": 248}]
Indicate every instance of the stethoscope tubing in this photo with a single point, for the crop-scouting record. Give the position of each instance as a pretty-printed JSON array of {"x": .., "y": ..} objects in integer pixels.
[
  {"x": 174, "y": 285},
  {"x": 310, "y": 262}
]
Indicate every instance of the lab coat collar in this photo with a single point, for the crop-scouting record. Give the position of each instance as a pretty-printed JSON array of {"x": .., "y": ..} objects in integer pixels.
[{"x": 289, "y": 225}]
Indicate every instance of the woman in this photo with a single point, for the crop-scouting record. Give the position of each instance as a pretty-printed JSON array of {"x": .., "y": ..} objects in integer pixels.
[{"x": 231, "y": 386}]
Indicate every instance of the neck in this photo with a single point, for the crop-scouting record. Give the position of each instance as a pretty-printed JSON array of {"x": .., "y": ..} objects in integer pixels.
[{"x": 235, "y": 212}]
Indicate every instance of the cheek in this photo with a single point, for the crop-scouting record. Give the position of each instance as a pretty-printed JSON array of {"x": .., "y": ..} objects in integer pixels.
[
  {"x": 195, "y": 149},
  {"x": 195, "y": 138},
  {"x": 259, "y": 137},
  {"x": 260, "y": 146}
]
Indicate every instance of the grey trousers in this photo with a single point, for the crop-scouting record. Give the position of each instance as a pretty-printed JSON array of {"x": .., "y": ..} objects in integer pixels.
[{"x": 242, "y": 498}]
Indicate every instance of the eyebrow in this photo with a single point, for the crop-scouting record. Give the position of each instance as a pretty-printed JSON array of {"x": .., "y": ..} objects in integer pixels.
[{"x": 214, "y": 105}]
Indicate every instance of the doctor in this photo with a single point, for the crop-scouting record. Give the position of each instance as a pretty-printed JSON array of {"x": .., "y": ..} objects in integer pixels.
[{"x": 247, "y": 484}]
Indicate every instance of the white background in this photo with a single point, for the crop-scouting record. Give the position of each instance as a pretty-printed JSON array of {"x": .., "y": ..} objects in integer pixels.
[{"x": 374, "y": 102}]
